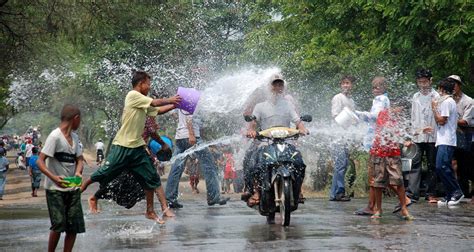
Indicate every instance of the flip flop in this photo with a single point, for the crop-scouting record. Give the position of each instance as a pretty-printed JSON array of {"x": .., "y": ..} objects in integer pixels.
[
  {"x": 362, "y": 212},
  {"x": 376, "y": 216},
  {"x": 407, "y": 217},
  {"x": 398, "y": 207}
]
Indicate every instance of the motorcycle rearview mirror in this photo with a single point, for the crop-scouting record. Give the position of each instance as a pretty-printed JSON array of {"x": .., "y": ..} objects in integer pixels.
[
  {"x": 306, "y": 118},
  {"x": 249, "y": 118}
]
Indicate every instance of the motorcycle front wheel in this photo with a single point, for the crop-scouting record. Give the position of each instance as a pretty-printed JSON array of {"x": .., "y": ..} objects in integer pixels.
[{"x": 285, "y": 204}]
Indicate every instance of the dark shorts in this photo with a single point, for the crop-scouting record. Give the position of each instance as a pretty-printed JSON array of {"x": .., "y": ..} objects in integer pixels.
[
  {"x": 36, "y": 179},
  {"x": 386, "y": 171},
  {"x": 370, "y": 170},
  {"x": 135, "y": 160},
  {"x": 65, "y": 211}
]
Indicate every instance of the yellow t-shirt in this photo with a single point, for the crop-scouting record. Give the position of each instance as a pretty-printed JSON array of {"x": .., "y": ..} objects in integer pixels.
[{"x": 137, "y": 107}]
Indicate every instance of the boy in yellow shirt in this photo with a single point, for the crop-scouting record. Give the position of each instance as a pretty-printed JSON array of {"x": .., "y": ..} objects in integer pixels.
[{"x": 128, "y": 147}]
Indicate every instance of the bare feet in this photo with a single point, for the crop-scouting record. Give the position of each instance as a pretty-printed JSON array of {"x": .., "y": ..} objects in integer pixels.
[
  {"x": 93, "y": 204},
  {"x": 404, "y": 212},
  {"x": 154, "y": 217},
  {"x": 168, "y": 213}
]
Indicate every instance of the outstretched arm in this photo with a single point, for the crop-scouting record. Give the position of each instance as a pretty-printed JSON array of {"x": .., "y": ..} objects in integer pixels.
[
  {"x": 166, "y": 108},
  {"x": 165, "y": 101}
]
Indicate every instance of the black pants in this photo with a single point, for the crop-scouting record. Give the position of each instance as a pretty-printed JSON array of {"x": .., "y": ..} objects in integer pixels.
[
  {"x": 414, "y": 176},
  {"x": 465, "y": 172}
]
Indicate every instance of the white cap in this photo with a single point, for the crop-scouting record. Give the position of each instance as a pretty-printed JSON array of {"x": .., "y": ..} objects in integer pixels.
[
  {"x": 456, "y": 78},
  {"x": 276, "y": 77}
]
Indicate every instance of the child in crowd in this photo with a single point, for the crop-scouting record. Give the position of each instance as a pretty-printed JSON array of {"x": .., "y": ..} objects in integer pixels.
[
  {"x": 379, "y": 103},
  {"x": 128, "y": 151},
  {"x": 385, "y": 161},
  {"x": 229, "y": 171},
  {"x": 192, "y": 169},
  {"x": 61, "y": 157},
  {"x": 34, "y": 172},
  {"x": 4, "y": 165}
]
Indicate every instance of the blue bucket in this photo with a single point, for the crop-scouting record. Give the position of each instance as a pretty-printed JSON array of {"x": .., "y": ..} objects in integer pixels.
[{"x": 155, "y": 148}]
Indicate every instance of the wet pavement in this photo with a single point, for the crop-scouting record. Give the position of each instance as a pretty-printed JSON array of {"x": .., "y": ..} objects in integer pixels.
[{"x": 317, "y": 225}]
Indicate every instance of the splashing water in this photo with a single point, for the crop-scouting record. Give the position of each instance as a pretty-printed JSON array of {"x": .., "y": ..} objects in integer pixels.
[
  {"x": 228, "y": 94},
  {"x": 227, "y": 140}
]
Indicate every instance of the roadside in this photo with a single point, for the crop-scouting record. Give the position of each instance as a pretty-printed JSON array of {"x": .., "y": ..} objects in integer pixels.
[{"x": 18, "y": 186}]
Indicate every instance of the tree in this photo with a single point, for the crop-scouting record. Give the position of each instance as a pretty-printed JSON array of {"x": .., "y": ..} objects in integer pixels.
[{"x": 324, "y": 38}]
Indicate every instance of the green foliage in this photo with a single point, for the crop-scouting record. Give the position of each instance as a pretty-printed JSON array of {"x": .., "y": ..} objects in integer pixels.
[
  {"x": 329, "y": 37},
  {"x": 82, "y": 52}
]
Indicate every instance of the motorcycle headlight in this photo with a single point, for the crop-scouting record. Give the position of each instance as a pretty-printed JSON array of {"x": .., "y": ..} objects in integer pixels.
[{"x": 279, "y": 133}]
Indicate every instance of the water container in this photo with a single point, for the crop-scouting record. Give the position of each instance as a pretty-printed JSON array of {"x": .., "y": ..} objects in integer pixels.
[
  {"x": 73, "y": 181},
  {"x": 190, "y": 98},
  {"x": 346, "y": 118},
  {"x": 406, "y": 164},
  {"x": 155, "y": 146}
]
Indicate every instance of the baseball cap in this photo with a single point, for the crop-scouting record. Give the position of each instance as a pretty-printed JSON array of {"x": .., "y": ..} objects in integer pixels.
[
  {"x": 456, "y": 78},
  {"x": 276, "y": 77}
]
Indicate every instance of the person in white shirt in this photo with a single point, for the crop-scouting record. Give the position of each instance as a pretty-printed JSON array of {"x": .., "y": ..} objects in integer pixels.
[
  {"x": 340, "y": 150},
  {"x": 463, "y": 151},
  {"x": 29, "y": 151},
  {"x": 99, "y": 146},
  {"x": 424, "y": 125},
  {"x": 187, "y": 136},
  {"x": 445, "y": 114}
]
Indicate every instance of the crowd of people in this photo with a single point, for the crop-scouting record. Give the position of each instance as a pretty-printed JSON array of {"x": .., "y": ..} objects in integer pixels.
[
  {"x": 438, "y": 129},
  {"x": 26, "y": 149}
]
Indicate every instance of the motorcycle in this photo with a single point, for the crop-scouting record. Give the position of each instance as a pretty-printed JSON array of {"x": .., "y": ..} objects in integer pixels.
[
  {"x": 100, "y": 158},
  {"x": 283, "y": 172}
]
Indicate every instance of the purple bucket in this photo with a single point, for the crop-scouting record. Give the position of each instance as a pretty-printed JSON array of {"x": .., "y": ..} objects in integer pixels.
[{"x": 189, "y": 99}]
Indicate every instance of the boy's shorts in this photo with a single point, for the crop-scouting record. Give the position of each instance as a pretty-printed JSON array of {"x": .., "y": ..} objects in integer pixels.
[
  {"x": 65, "y": 211},
  {"x": 386, "y": 171},
  {"x": 370, "y": 170},
  {"x": 136, "y": 160}
]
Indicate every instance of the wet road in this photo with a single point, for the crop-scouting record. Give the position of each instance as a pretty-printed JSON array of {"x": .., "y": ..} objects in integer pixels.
[{"x": 318, "y": 225}]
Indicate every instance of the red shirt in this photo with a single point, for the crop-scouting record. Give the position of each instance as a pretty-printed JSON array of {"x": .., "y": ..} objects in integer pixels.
[{"x": 386, "y": 131}]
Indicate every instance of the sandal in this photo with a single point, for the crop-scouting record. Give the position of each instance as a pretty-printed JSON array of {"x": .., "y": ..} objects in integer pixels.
[
  {"x": 407, "y": 217},
  {"x": 399, "y": 207},
  {"x": 376, "y": 216},
  {"x": 363, "y": 212}
]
